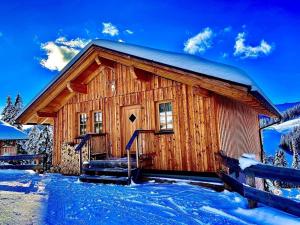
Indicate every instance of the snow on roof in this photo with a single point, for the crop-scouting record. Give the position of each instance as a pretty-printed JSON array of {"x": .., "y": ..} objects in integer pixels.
[
  {"x": 178, "y": 60},
  {"x": 8, "y": 132}
]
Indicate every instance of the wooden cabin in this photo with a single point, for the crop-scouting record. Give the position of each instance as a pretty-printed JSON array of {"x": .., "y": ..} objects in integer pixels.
[
  {"x": 186, "y": 109},
  {"x": 9, "y": 136}
]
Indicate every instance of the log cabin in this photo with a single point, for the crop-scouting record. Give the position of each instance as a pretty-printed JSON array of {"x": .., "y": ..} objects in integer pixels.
[{"x": 118, "y": 105}]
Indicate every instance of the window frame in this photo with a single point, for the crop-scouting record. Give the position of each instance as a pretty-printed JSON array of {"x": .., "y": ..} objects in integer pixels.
[
  {"x": 80, "y": 124},
  {"x": 158, "y": 123},
  {"x": 94, "y": 123}
]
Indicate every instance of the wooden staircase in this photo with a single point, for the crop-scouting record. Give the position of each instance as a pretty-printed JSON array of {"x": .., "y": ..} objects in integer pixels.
[
  {"x": 117, "y": 171},
  {"x": 112, "y": 171}
]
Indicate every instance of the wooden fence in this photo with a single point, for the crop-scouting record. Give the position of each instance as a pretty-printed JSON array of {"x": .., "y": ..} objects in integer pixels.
[
  {"x": 254, "y": 195},
  {"x": 36, "y": 162}
]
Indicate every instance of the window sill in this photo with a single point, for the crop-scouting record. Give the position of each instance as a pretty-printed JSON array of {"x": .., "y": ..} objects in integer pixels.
[{"x": 164, "y": 132}]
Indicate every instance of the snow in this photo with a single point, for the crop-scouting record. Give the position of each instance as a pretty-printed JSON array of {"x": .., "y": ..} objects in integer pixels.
[
  {"x": 29, "y": 198},
  {"x": 247, "y": 160},
  {"x": 285, "y": 126},
  {"x": 8, "y": 132}
]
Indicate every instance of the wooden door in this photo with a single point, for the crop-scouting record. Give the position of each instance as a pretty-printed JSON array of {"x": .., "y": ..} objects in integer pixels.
[{"x": 131, "y": 120}]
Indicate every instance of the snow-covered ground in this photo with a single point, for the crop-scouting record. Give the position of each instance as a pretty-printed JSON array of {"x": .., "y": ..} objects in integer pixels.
[{"x": 28, "y": 198}]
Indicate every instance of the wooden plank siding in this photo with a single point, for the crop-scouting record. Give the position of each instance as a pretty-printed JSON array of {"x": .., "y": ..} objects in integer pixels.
[
  {"x": 191, "y": 147},
  {"x": 239, "y": 128}
]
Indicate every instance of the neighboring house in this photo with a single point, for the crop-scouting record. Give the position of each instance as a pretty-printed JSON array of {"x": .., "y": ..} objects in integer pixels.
[
  {"x": 8, "y": 137},
  {"x": 194, "y": 107}
]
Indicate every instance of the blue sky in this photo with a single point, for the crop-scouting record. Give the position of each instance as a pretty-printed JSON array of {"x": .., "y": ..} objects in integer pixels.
[{"x": 261, "y": 37}]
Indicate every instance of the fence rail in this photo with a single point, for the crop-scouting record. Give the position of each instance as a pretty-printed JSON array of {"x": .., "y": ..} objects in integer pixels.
[
  {"x": 39, "y": 165},
  {"x": 262, "y": 171}
]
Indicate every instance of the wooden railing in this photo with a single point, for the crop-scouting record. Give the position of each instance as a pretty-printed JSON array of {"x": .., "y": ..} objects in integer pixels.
[
  {"x": 254, "y": 195},
  {"x": 94, "y": 142},
  {"x": 135, "y": 136},
  {"x": 16, "y": 162}
]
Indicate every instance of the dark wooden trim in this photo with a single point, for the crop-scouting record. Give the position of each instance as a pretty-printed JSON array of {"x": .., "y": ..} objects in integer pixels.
[
  {"x": 76, "y": 87},
  {"x": 160, "y": 132}
]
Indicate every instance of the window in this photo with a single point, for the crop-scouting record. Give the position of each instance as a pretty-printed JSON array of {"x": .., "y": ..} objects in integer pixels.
[
  {"x": 98, "y": 123},
  {"x": 165, "y": 116},
  {"x": 82, "y": 123}
]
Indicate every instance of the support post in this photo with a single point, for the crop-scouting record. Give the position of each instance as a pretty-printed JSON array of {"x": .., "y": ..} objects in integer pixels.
[
  {"x": 250, "y": 180},
  {"x": 129, "y": 165},
  {"x": 80, "y": 161},
  {"x": 137, "y": 151}
]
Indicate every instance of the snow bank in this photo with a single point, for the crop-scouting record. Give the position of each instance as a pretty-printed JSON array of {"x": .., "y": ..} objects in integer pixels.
[
  {"x": 247, "y": 160},
  {"x": 267, "y": 216},
  {"x": 285, "y": 126}
]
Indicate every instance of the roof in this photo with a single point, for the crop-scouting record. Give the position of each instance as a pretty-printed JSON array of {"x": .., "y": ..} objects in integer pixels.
[
  {"x": 9, "y": 132},
  {"x": 181, "y": 61}
]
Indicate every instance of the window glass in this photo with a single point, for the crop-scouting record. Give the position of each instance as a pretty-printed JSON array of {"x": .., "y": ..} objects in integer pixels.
[
  {"x": 98, "y": 124},
  {"x": 165, "y": 116},
  {"x": 82, "y": 123}
]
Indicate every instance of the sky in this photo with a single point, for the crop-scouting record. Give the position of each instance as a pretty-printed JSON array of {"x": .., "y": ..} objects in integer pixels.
[{"x": 38, "y": 38}]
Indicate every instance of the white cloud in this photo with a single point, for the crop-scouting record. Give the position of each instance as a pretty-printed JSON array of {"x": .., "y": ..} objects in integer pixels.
[
  {"x": 120, "y": 40},
  {"x": 129, "y": 31},
  {"x": 60, "y": 52},
  {"x": 199, "y": 43},
  {"x": 110, "y": 29},
  {"x": 248, "y": 51}
]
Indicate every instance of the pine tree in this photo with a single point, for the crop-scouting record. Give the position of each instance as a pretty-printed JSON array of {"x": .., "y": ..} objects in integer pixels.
[
  {"x": 8, "y": 112},
  {"x": 296, "y": 160},
  {"x": 279, "y": 159},
  {"x": 32, "y": 144},
  {"x": 18, "y": 106}
]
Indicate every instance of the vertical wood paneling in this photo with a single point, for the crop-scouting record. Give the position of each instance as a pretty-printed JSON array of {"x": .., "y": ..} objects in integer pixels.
[
  {"x": 201, "y": 125},
  {"x": 238, "y": 128}
]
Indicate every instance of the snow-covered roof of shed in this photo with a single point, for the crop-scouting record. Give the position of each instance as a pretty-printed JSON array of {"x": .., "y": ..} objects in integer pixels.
[{"x": 8, "y": 132}]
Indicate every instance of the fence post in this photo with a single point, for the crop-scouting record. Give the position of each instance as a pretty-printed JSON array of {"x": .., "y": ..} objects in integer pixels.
[{"x": 250, "y": 180}]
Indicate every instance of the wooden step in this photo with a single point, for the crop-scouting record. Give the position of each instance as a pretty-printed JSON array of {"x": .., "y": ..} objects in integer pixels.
[
  {"x": 109, "y": 163},
  {"x": 103, "y": 179},
  {"x": 108, "y": 171}
]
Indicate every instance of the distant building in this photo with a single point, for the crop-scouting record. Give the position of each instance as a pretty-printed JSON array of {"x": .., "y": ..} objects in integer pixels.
[{"x": 8, "y": 137}]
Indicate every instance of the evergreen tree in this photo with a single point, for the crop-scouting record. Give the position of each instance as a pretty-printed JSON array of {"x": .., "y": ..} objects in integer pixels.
[
  {"x": 31, "y": 145},
  {"x": 18, "y": 106},
  {"x": 40, "y": 141},
  {"x": 8, "y": 112},
  {"x": 279, "y": 159},
  {"x": 296, "y": 160}
]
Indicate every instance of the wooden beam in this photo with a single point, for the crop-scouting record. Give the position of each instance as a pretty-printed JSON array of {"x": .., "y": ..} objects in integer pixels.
[
  {"x": 46, "y": 114},
  {"x": 98, "y": 60},
  {"x": 94, "y": 74},
  {"x": 132, "y": 72},
  {"x": 76, "y": 87}
]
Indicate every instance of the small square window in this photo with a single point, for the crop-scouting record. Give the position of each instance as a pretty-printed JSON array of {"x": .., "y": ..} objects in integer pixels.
[
  {"x": 165, "y": 116},
  {"x": 98, "y": 122}
]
